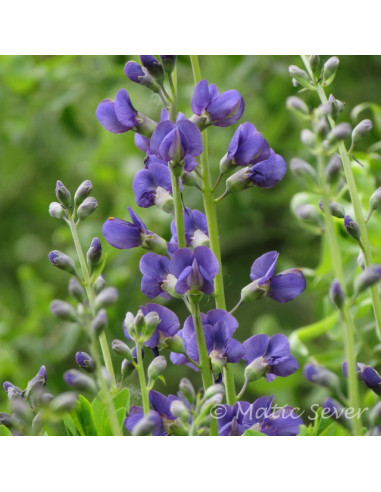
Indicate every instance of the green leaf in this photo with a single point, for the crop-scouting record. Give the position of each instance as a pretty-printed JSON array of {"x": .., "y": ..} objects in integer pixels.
[
  {"x": 120, "y": 415},
  {"x": 122, "y": 399},
  {"x": 252, "y": 432},
  {"x": 306, "y": 431},
  {"x": 70, "y": 427},
  {"x": 4, "y": 431},
  {"x": 99, "y": 269},
  {"x": 334, "y": 429},
  {"x": 85, "y": 416}
]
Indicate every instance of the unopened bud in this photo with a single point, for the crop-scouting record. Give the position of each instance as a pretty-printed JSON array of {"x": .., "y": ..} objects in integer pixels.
[
  {"x": 336, "y": 294},
  {"x": 156, "y": 244},
  {"x": 76, "y": 290},
  {"x": 302, "y": 168},
  {"x": 337, "y": 107},
  {"x": 127, "y": 369},
  {"x": 367, "y": 278},
  {"x": 94, "y": 254},
  {"x": 179, "y": 410},
  {"x": 79, "y": 381},
  {"x": 298, "y": 106},
  {"x": 215, "y": 389},
  {"x": 189, "y": 179},
  {"x": 7, "y": 420},
  {"x": 129, "y": 325},
  {"x": 157, "y": 367},
  {"x": 361, "y": 260},
  {"x": 85, "y": 361},
  {"x": 333, "y": 168},
  {"x": 106, "y": 297},
  {"x": 99, "y": 284},
  {"x": 340, "y": 132},
  {"x": 329, "y": 70},
  {"x": 175, "y": 344},
  {"x": 87, "y": 207},
  {"x": 360, "y": 130},
  {"x": 63, "y": 310},
  {"x": 99, "y": 322},
  {"x": 122, "y": 349},
  {"x": 375, "y": 200},
  {"x": 308, "y": 213},
  {"x": 62, "y": 261},
  {"x": 352, "y": 227},
  {"x": 335, "y": 209},
  {"x": 308, "y": 138},
  {"x": 320, "y": 375},
  {"x": 225, "y": 164},
  {"x": 152, "y": 320},
  {"x": 145, "y": 426},
  {"x": 314, "y": 61},
  {"x": 168, "y": 62},
  {"x": 65, "y": 402},
  {"x": 82, "y": 192},
  {"x": 63, "y": 194},
  {"x": 57, "y": 211},
  {"x": 252, "y": 292},
  {"x": 256, "y": 369},
  {"x": 301, "y": 77},
  {"x": 187, "y": 390},
  {"x": 154, "y": 67}
]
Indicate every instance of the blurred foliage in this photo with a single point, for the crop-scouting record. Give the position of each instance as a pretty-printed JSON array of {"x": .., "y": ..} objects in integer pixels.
[{"x": 48, "y": 131}]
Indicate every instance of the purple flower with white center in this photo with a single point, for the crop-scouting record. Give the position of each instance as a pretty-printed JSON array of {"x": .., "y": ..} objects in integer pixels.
[
  {"x": 219, "y": 327},
  {"x": 219, "y": 109},
  {"x": 195, "y": 226},
  {"x": 258, "y": 416},
  {"x": 167, "y": 328},
  {"x": 177, "y": 141},
  {"x": 125, "y": 235},
  {"x": 282, "y": 287},
  {"x": 155, "y": 270},
  {"x": 118, "y": 116},
  {"x": 160, "y": 414},
  {"x": 268, "y": 357},
  {"x": 248, "y": 146},
  {"x": 153, "y": 186},
  {"x": 367, "y": 374},
  {"x": 194, "y": 270}
]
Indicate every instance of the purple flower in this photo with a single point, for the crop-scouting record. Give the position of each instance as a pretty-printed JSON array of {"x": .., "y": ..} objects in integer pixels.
[
  {"x": 234, "y": 421},
  {"x": 143, "y": 144},
  {"x": 194, "y": 270},
  {"x": 155, "y": 270},
  {"x": 117, "y": 116},
  {"x": 152, "y": 186},
  {"x": 177, "y": 141},
  {"x": 220, "y": 109},
  {"x": 268, "y": 357},
  {"x": 161, "y": 414},
  {"x": 219, "y": 327},
  {"x": 282, "y": 287},
  {"x": 268, "y": 172},
  {"x": 248, "y": 146},
  {"x": 367, "y": 374},
  {"x": 167, "y": 328},
  {"x": 196, "y": 229}
]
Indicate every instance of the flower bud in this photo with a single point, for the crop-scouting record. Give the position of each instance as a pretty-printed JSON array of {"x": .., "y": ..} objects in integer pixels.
[
  {"x": 157, "y": 367},
  {"x": 187, "y": 390},
  {"x": 256, "y": 369},
  {"x": 336, "y": 294},
  {"x": 94, "y": 254},
  {"x": 127, "y": 369},
  {"x": 154, "y": 67},
  {"x": 57, "y": 211},
  {"x": 129, "y": 325},
  {"x": 335, "y": 209},
  {"x": 189, "y": 179},
  {"x": 301, "y": 77},
  {"x": 361, "y": 260},
  {"x": 337, "y": 107},
  {"x": 137, "y": 74},
  {"x": 252, "y": 292},
  {"x": 65, "y": 402},
  {"x": 329, "y": 70},
  {"x": 139, "y": 321},
  {"x": 99, "y": 284},
  {"x": 63, "y": 194},
  {"x": 99, "y": 322},
  {"x": 360, "y": 130},
  {"x": 308, "y": 138},
  {"x": 225, "y": 164},
  {"x": 87, "y": 207},
  {"x": 215, "y": 389},
  {"x": 308, "y": 213},
  {"x": 375, "y": 200},
  {"x": 12, "y": 391},
  {"x": 106, "y": 297},
  {"x": 156, "y": 244},
  {"x": 7, "y": 420},
  {"x": 168, "y": 62},
  {"x": 302, "y": 168},
  {"x": 314, "y": 61},
  {"x": 79, "y": 381},
  {"x": 179, "y": 410},
  {"x": 375, "y": 414},
  {"x": 151, "y": 321},
  {"x": 238, "y": 181},
  {"x": 298, "y": 106},
  {"x": 175, "y": 344},
  {"x": 145, "y": 426},
  {"x": 352, "y": 227},
  {"x": 320, "y": 375},
  {"x": 76, "y": 290},
  {"x": 340, "y": 132},
  {"x": 22, "y": 412},
  {"x": 321, "y": 127},
  {"x": 63, "y": 310},
  {"x": 333, "y": 168},
  {"x": 82, "y": 192},
  {"x": 62, "y": 261},
  {"x": 122, "y": 349},
  {"x": 85, "y": 361},
  {"x": 367, "y": 278}
]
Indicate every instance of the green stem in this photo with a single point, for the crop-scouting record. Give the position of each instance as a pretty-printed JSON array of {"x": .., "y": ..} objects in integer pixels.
[
  {"x": 173, "y": 86},
  {"x": 178, "y": 206},
  {"x": 376, "y": 300},
  {"x": 142, "y": 378},
  {"x": 110, "y": 409},
  {"x": 211, "y": 216}
]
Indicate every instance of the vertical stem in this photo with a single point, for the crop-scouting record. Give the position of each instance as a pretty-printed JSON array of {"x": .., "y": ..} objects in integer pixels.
[
  {"x": 211, "y": 216},
  {"x": 178, "y": 206},
  {"x": 142, "y": 379}
]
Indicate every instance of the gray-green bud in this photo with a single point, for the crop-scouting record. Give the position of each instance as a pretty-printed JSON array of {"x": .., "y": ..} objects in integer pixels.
[
  {"x": 308, "y": 138},
  {"x": 340, "y": 132},
  {"x": 106, "y": 297},
  {"x": 301, "y": 77},
  {"x": 337, "y": 106},
  {"x": 63, "y": 194},
  {"x": 127, "y": 368},
  {"x": 302, "y": 168},
  {"x": 256, "y": 369},
  {"x": 360, "y": 130},
  {"x": 157, "y": 367},
  {"x": 179, "y": 410},
  {"x": 82, "y": 192},
  {"x": 79, "y": 380},
  {"x": 375, "y": 201},
  {"x": 76, "y": 290},
  {"x": 144, "y": 427},
  {"x": 122, "y": 349},
  {"x": 99, "y": 322},
  {"x": 57, "y": 211},
  {"x": 298, "y": 106},
  {"x": 367, "y": 278},
  {"x": 333, "y": 168},
  {"x": 335, "y": 209},
  {"x": 252, "y": 292},
  {"x": 63, "y": 310},
  {"x": 308, "y": 213},
  {"x": 336, "y": 294},
  {"x": 94, "y": 254},
  {"x": 314, "y": 61},
  {"x": 62, "y": 261},
  {"x": 187, "y": 390},
  {"x": 65, "y": 402},
  {"x": 99, "y": 284},
  {"x": 175, "y": 344},
  {"x": 329, "y": 70},
  {"x": 87, "y": 207},
  {"x": 352, "y": 227}
]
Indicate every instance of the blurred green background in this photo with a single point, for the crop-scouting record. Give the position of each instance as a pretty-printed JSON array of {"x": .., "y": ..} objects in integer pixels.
[{"x": 48, "y": 131}]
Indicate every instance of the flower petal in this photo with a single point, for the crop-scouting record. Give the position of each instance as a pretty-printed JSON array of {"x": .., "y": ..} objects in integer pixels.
[
  {"x": 206, "y": 258},
  {"x": 106, "y": 116},
  {"x": 121, "y": 234},
  {"x": 269, "y": 172},
  {"x": 124, "y": 110},
  {"x": 181, "y": 259},
  {"x": 193, "y": 136},
  {"x": 159, "y": 134},
  {"x": 264, "y": 266},
  {"x": 200, "y": 98},
  {"x": 255, "y": 346},
  {"x": 287, "y": 285}
]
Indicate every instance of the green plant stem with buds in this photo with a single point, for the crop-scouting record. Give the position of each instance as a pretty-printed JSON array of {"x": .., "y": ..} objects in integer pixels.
[
  {"x": 211, "y": 216},
  {"x": 142, "y": 378},
  {"x": 102, "y": 338},
  {"x": 366, "y": 246}
]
